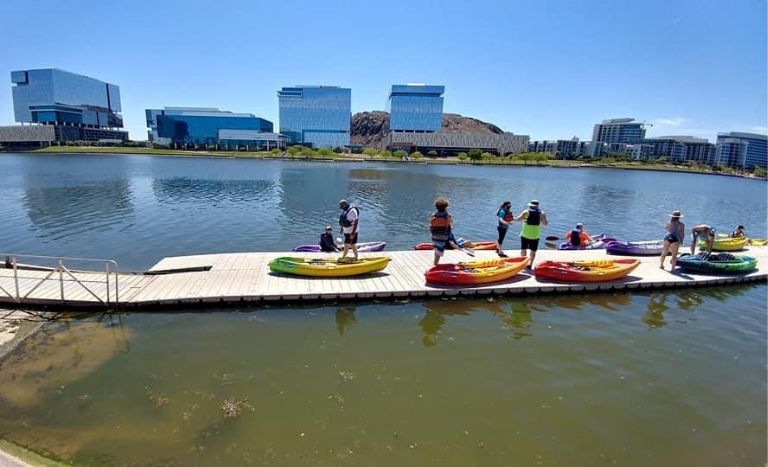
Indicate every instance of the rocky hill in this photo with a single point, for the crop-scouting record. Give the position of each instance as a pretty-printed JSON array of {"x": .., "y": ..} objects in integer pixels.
[{"x": 370, "y": 127}]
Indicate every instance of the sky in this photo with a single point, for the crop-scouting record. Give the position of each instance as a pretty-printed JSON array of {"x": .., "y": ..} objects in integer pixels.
[{"x": 550, "y": 69}]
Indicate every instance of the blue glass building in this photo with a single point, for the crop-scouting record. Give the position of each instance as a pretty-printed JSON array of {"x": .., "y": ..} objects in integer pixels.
[
  {"x": 416, "y": 107},
  {"x": 318, "y": 116},
  {"x": 618, "y": 130},
  {"x": 196, "y": 126},
  {"x": 742, "y": 150},
  {"x": 53, "y": 96}
]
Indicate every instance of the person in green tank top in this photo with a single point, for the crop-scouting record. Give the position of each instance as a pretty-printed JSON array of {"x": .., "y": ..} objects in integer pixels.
[{"x": 532, "y": 219}]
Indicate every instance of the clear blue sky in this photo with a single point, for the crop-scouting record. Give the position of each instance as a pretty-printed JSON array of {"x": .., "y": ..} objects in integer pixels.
[{"x": 546, "y": 68}]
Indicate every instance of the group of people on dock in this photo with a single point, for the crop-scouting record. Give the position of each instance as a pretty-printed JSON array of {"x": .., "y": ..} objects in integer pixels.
[{"x": 532, "y": 219}]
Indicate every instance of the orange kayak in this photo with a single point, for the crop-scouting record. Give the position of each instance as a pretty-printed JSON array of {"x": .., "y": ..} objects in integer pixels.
[
  {"x": 597, "y": 270},
  {"x": 484, "y": 245},
  {"x": 476, "y": 272}
]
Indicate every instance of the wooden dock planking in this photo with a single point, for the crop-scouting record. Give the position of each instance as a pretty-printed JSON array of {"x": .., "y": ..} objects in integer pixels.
[{"x": 238, "y": 277}]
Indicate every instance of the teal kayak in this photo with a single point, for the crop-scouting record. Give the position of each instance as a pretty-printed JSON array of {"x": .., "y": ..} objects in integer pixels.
[{"x": 717, "y": 263}]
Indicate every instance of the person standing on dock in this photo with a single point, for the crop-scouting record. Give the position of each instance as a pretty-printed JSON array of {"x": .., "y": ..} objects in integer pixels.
[
  {"x": 533, "y": 218},
  {"x": 703, "y": 231},
  {"x": 505, "y": 217},
  {"x": 440, "y": 227},
  {"x": 349, "y": 220},
  {"x": 673, "y": 239}
]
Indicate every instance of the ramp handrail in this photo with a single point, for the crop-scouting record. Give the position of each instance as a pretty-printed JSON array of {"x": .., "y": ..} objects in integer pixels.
[{"x": 58, "y": 265}]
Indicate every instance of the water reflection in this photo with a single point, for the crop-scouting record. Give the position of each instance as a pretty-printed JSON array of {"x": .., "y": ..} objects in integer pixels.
[
  {"x": 69, "y": 210},
  {"x": 194, "y": 190},
  {"x": 345, "y": 317}
]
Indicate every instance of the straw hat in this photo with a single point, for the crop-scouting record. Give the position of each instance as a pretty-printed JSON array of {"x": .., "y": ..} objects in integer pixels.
[{"x": 676, "y": 214}]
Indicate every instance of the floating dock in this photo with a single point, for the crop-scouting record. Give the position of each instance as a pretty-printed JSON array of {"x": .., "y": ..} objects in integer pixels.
[{"x": 245, "y": 278}]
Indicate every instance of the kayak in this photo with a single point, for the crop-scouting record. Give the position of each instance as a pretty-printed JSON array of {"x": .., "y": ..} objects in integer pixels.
[
  {"x": 586, "y": 270},
  {"x": 725, "y": 244},
  {"x": 361, "y": 247},
  {"x": 599, "y": 243},
  {"x": 319, "y": 267},
  {"x": 484, "y": 245},
  {"x": 716, "y": 263},
  {"x": 476, "y": 272},
  {"x": 646, "y": 248},
  {"x": 757, "y": 242}
]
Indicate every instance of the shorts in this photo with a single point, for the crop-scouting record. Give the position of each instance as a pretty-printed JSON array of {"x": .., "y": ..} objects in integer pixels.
[
  {"x": 439, "y": 246},
  {"x": 350, "y": 238},
  {"x": 502, "y": 233},
  {"x": 672, "y": 238},
  {"x": 529, "y": 243}
]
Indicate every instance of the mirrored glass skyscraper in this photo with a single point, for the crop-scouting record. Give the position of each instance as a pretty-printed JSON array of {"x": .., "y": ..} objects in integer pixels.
[
  {"x": 316, "y": 115},
  {"x": 416, "y": 107}
]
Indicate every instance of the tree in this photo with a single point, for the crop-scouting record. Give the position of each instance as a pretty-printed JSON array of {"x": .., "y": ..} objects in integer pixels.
[
  {"x": 338, "y": 150},
  {"x": 385, "y": 153},
  {"x": 463, "y": 156},
  {"x": 416, "y": 155},
  {"x": 370, "y": 151},
  {"x": 295, "y": 150},
  {"x": 759, "y": 172},
  {"x": 486, "y": 156},
  {"x": 325, "y": 152},
  {"x": 525, "y": 157},
  {"x": 475, "y": 154},
  {"x": 432, "y": 153},
  {"x": 541, "y": 156},
  {"x": 400, "y": 154}
]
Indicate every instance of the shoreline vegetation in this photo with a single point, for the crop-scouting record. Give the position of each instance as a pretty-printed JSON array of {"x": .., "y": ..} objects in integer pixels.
[{"x": 474, "y": 157}]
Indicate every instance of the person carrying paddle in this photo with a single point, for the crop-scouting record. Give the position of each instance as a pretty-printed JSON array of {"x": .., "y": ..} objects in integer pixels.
[
  {"x": 673, "y": 239},
  {"x": 327, "y": 244},
  {"x": 533, "y": 218},
  {"x": 349, "y": 220},
  {"x": 440, "y": 227},
  {"x": 505, "y": 218},
  {"x": 703, "y": 231},
  {"x": 578, "y": 237}
]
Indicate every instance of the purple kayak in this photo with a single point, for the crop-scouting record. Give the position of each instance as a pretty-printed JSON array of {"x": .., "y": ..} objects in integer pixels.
[
  {"x": 647, "y": 248},
  {"x": 599, "y": 243},
  {"x": 361, "y": 247}
]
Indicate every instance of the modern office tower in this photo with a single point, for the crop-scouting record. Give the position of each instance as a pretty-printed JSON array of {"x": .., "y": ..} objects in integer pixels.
[
  {"x": 205, "y": 126},
  {"x": 416, "y": 108},
  {"x": 72, "y": 107},
  {"x": 318, "y": 116},
  {"x": 742, "y": 150},
  {"x": 618, "y": 130}
]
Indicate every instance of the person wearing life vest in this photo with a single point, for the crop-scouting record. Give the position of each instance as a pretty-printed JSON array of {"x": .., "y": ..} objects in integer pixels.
[
  {"x": 578, "y": 237},
  {"x": 505, "y": 218},
  {"x": 349, "y": 220},
  {"x": 533, "y": 218},
  {"x": 440, "y": 228}
]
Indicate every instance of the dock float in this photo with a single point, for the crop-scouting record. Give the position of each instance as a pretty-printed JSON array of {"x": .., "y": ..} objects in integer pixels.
[{"x": 245, "y": 278}]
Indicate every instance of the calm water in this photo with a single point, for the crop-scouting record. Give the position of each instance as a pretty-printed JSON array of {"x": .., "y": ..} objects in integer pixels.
[
  {"x": 138, "y": 209},
  {"x": 610, "y": 379}
]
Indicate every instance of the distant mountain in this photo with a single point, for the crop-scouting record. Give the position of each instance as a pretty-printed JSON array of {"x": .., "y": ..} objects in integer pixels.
[{"x": 368, "y": 128}]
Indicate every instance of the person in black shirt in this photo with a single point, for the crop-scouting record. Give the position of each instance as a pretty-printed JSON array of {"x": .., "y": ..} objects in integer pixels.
[{"x": 326, "y": 241}]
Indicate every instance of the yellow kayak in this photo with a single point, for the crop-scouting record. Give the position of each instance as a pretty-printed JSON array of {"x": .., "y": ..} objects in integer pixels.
[
  {"x": 725, "y": 244},
  {"x": 322, "y": 267},
  {"x": 757, "y": 242}
]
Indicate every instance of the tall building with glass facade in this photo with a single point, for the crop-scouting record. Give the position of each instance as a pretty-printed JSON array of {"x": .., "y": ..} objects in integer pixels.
[
  {"x": 618, "y": 130},
  {"x": 204, "y": 126},
  {"x": 319, "y": 116},
  {"x": 742, "y": 150},
  {"x": 416, "y": 108},
  {"x": 78, "y": 107}
]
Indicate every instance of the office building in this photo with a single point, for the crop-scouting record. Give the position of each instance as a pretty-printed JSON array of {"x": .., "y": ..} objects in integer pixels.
[
  {"x": 203, "y": 126},
  {"x": 73, "y": 107},
  {"x": 618, "y": 130},
  {"x": 681, "y": 148},
  {"x": 450, "y": 144},
  {"x": 318, "y": 116},
  {"x": 561, "y": 148},
  {"x": 416, "y": 108},
  {"x": 742, "y": 150}
]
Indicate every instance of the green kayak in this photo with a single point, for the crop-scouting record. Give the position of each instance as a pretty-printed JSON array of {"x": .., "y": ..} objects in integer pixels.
[{"x": 717, "y": 263}]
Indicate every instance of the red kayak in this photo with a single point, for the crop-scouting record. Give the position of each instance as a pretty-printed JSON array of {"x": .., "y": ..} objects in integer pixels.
[
  {"x": 476, "y": 272},
  {"x": 484, "y": 245}
]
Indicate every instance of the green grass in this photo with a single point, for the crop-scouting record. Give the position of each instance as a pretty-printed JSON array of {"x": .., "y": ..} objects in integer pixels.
[{"x": 31, "y": 458}]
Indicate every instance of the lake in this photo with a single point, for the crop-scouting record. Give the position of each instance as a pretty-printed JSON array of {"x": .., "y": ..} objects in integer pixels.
[{"x": 654, "y": 378}]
